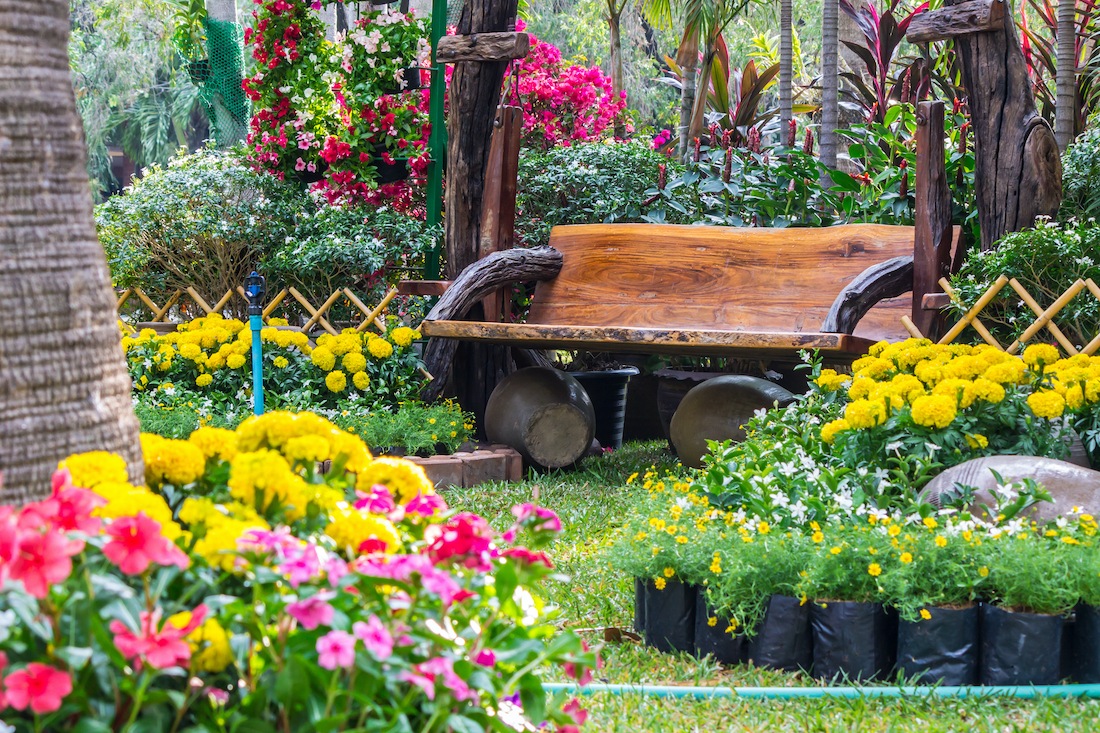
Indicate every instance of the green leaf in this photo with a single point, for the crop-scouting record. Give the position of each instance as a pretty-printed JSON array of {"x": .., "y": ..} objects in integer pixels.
[
  {"x": 91, "y": 725},
  {"x": 252, "y": 725},
  {"x": 462, "y": 724},
  {"x": 892, "y": 114},
  {"x": 74, "y": 656},
  {"x": 292, "y": 685}
]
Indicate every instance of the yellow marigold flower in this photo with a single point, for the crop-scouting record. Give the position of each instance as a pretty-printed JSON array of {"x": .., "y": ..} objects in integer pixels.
[
  {"x": 712, "y": 621},
  {"x": 835, "y": 550},
  {"x": 669, "y": 572},
  {"x": 361, "y": 380},
  {"x": 874, "y": 569},
  {"x": 404, "y": 479},
  {"x": 176, "y": 462},
  {"x": 197, "y": 510},
  {"x": 403, "y": 336},
  {"x": 924, "y": 614},
  {"x": 983, "y": 571},
  {"x": 306, "y": 448},
  {"x": 863, "y": 414},
  {"x": 961, "y": 389},
  {"x": 203, "y": 380},
  {"x": 336, "y": 381},
  {"x": 350, "y": 528},
  {"x": 190, "y": 351},
  {"x": 830, "y": 381},
  {"x": 1006, "y": 372},
  {"x": 977, "y": 441},
  {"x": 907, "y": 386},
  {"x": 1075, "y": 397},
  {"x": 878, "y": 347},
  {"x": 941, "y": 541},
  {"x": 354, "y": 362},
  {"x": 380, "y": 348},
  {"x": 235, "y": 361},
  {"x": 933, "y": 411},
  {"x": 1046, "y": 404},
  {"x": 906, "y": 557},
  {"x": 829, "y": 430},
  {"x": 988, "y": 390},
  {"x": 280, "y": 362},
  {"x": 256, "y": 478},
  {"x": 930, "y": 522},
  {"x": 323, "y": 358},
  {"x": 659, "y": 583},
  {"x": 930, "y": 372},
  {"x": 874, "y": 367},
  {"x": 90, "y": 469},
  {"x": 861, "y": 388},
  {"x": 215, "y": 443},
  {"x": 1039, "y": 355},
  {"x": 345, "y": 343}
]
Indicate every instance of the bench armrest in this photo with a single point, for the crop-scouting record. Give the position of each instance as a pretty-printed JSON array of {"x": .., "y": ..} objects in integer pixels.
[{"x": 887, "y": 279}]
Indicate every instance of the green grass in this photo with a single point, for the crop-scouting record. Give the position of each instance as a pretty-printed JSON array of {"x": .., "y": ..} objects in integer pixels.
[{"x": 595, "y": 499}]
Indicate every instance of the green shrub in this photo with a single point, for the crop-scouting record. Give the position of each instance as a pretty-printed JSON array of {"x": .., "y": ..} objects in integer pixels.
[
  {"x": 591, "y": 183},
  {"x": 413, "y": 426},
  {"x": 1081, "y": 177}
]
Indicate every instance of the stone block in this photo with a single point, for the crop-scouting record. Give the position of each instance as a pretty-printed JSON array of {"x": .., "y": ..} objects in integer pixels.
[
  {"x": 513, "y": 463},
  {"x": 442, "y": 471},
  {"x": 481, "y": 467}
]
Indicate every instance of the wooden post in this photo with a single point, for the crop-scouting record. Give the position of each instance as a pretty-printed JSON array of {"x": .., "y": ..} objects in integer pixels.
[
  {"x": 1018, "y": 171},
  {"x": 932, "y": 235}
]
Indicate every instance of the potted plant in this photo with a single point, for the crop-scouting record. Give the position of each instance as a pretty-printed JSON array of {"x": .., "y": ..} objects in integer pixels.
[{"x": 605, "y": 380}]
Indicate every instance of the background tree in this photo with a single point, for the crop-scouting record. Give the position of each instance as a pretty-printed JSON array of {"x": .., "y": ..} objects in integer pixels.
[
  {"x": 1066, "y": 109},
  {"x": 786, "y": 66},
  {"x": 63, "y": 383},
  {"x": 614, "y": 23},
  {"x": 830, "y": 20}
]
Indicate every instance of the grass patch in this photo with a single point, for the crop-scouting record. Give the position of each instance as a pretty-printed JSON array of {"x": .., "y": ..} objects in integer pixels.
[{"x": 593, "y": 501}]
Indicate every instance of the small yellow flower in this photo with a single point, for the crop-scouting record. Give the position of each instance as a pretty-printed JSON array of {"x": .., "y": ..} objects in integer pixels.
[
  {"x": 763, "y": 528},
  {"x": 817, "y": 537},
  {"x": 906, "y": 558},
  {"x": 712, "y": 621},
  {"x": 894, "y": 530},
  {"x": 874, "y": 569},
  {"x": 835, "y": 550},
  {"x": 681, "y": 539},
  {"x": 930, "y": 522},
  {"x": 924, "y": 614},
  {"x": 983, "y": 571},
  {"x": 941, "y": 541},
  {"x": 632, "y": 477},
  {"x": 669, "y": 572}
]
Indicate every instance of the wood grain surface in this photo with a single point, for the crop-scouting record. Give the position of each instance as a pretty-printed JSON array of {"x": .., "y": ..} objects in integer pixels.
[{"x": 728, "y": 279}]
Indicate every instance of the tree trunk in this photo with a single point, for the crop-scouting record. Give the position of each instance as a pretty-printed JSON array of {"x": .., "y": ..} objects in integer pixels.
[
  {"x": 830, "y": 19},
  {"x": 1065, "y": 112},
  {"x": 687, "y": 58},
  {"x": 64, "y": 388},
  {"x": 786, "y": 68},
  {"x": 614, "y": 20},
  {"x": 1017, "y": 169}
]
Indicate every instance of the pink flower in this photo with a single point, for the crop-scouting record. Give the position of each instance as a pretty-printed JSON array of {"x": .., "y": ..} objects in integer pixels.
[
  {"x": 313, "y": 611},
  {"x": 443, "y": 667},
  {"x": 525, "y": 512},
  {"x": 585, "y": 675},
  {"x": 336, "y": 649},
  {"x": 427, "y": 684},
  {"x": 486, "y": 658},
  {"x": 68, "y": 509},
  {"x": 3, "y": 664},
  {"x": 426, "y": 505},
  {"x": 262, "y": 541},
  {"x": 464, "y": 539},
  {"x": 43, "y": 558},
  {"x": 528, "y": 557},
  {"x": 160, "y": 647},
  {"x": 378, "y": 501},
  {"x": 136, "y": 542},
  {"x": 10, "y": 534},
  {"x": 335, "y": 569},
  {"x": 574, "y": 710},
  {"x": 38, "y": 685},
  {"x": 302, "y": 565},
  {"x": 300, "y": 165},
  {"x": 376, "y": 637}
]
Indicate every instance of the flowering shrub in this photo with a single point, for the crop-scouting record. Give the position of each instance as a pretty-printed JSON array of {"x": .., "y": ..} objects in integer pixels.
[
  {"x": 241, "y": 589},
  {"x": 563, "y": 104},
  {"x": 212, "y": 358},
  {"x": 332, "y": 113}
]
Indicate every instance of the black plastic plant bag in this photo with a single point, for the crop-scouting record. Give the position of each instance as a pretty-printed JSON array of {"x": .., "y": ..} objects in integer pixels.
[
  {"x": 782, "y": 640},
  {"x": 712, "y": 637},
  {"x": 1086, "y": 646},
  {"x": 670, "y": 617},
  {"x": 942, "y": 649},
  {"x": 856, "y": 641},
  {"x": 1020, "y": 648},
  {"x": 639, "y": 605}
]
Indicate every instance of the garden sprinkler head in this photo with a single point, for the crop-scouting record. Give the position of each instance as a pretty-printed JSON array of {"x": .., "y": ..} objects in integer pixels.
[{"x": 255, "y": 287}]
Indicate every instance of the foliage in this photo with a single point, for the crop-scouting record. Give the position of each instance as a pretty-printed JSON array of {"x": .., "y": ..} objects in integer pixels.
[
  {"x": 413, "y": 426},
  {"x": 334, "y": 113},
  {"x": 1040, "y": 54},
  {"x": 581, "y": 184},
  {"x": 1081, "y": 177},
  {"x": 240, "y": 589},
  {"x": 210, "y": 359},
  {"x": 170, "y": 416},
  {"x": 564, "y": 103}
]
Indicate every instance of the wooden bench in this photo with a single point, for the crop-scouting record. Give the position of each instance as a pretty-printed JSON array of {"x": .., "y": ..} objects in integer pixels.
[{"x": 695, "y": 290}]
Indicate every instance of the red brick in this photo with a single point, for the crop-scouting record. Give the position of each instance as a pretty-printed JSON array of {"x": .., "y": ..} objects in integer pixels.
[
  {"x": 480, "y": 468},
  {"x": 442, "y": 471}
]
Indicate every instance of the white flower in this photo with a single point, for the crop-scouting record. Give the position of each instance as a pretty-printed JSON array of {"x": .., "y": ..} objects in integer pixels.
[
  {"x": 893, "y": 447},
  {"x": 932, "y": 448}
]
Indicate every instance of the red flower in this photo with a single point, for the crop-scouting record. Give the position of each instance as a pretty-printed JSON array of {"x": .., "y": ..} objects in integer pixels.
[
  {"x": 465, "y": 539},
  {"x": 160, "y": 647},
  {"x": 43, "y": 559},
  {"x": 136, "y": 542},
  {"x": 528, "y": 557},
  {"x": 38, "y": 685},
  {"x": 69, "y": 509}
]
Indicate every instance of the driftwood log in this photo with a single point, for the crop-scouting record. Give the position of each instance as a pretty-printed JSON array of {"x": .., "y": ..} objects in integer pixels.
[
  {"x": 1018, "y": 171},
  {"x": 878, "y": 282},
  {"x": 972, "y": 16},
  {"x": 932, "y": 231},
  {"x": 483, "y": 47},
  {"x": 495, "y": 271}
]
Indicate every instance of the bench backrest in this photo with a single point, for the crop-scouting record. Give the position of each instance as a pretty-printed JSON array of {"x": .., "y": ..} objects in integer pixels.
[{"x": 721, "y": 278}]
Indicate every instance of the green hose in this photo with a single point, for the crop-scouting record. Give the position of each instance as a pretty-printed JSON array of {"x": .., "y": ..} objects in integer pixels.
[{"x": 788, "y": 693}]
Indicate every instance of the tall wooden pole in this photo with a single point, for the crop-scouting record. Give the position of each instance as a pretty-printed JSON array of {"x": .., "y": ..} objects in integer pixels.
[{"x": 932, "y": 235}]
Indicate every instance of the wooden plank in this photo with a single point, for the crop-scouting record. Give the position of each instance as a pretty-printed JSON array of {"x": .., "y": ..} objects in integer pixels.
[
  {"x": 629, "y": 339},
  {"x": 973, "y": 16},
  {"x": 224, "y": 300},
  {"x": 748, "y": 279},
  {"x": 423, "y": 287},
  {"x": 933, "y": 232},
  {"x": 500, "y": 46}
]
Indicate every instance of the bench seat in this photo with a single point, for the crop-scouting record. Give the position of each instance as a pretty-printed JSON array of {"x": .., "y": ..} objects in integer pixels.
[{"x": 839, "y": 347}]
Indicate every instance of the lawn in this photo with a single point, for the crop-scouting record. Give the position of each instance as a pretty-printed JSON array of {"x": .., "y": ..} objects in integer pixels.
[{"x": 593, "y": 501}]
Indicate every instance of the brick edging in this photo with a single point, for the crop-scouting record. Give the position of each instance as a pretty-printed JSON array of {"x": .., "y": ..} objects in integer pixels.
[{"x": 467, "y": 469}]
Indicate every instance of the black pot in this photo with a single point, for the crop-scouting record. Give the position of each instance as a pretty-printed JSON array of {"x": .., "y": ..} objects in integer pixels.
[
  {"x": 642, "y": 421},
  {"x": 639, "y": 605},
  {"x": 711, "y": 636},
  {"x": 856, "y": 641},
  {"x": 412, "y": 82},
  {"x": 607, "y": 390},
  {"x": 782, "y": 639},
  {"x": 670, "y": 617},
  {"x": 1019, "y": 648},
  {"x": 393, "y": 172},
  {"x": 1086, "y": 645},
  {"x": 942, "y": 649},
  {"x": 307, "y": 177}
]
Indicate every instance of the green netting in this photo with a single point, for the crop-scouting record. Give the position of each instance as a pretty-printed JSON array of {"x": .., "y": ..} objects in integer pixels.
[
  {"x": 217, "y": 71},
  {"x": 454, "y": 11}
]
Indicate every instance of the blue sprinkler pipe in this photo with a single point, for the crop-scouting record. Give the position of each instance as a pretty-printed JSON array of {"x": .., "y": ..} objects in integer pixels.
[
  {"x": 255, "y": 287},
  {"x": 792, "y": 693}
]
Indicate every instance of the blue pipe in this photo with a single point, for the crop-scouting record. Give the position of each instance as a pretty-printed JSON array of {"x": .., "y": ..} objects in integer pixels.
[
  {"x": 788, "y": 693},
  {"x": 257, "y": 323}
]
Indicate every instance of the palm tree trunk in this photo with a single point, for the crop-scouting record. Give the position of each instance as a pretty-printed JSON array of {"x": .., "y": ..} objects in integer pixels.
[
  {"x": 64, "y": 388},
  {"x": 614, "y": 18},
  {"x": 1066, "y": 109},
  {"x": 830, "y": 19},
  {"x": 786, "y": 67},
  {"x": 687, "y": 58}
]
